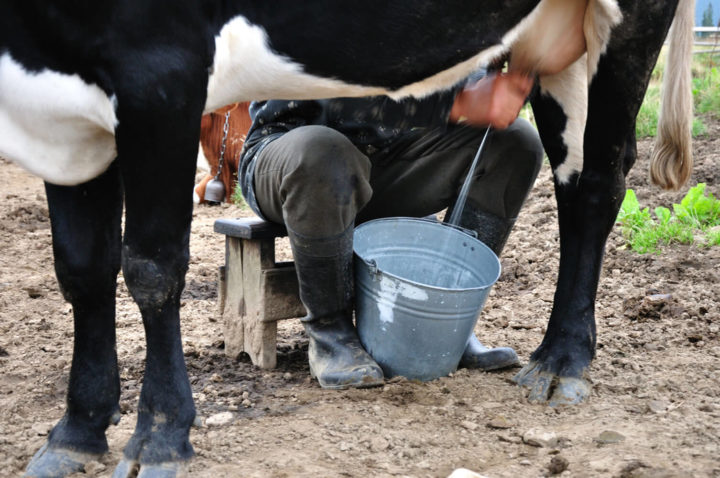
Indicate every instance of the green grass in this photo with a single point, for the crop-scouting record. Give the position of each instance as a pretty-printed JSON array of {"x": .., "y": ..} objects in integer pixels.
[
  {"x": 647, "y": 118},
  {"x": 706, "y": 91},
  {"x": 237, "y": 197},
  {"x": 696, "y": 220},
  {"x": 706, "y": 95}
]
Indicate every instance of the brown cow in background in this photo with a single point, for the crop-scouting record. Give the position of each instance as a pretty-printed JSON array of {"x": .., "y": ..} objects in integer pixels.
[{"x": 211, "y": 136}]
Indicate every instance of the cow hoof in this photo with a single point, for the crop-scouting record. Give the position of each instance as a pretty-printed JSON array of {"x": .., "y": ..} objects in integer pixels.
[
  {"x": 57, "y": 462},
  {"x": 132, "y": 469},
  {"x": 547, "y": 387}
]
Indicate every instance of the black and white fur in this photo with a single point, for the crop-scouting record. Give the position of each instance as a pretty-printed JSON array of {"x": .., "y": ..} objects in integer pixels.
[{"x": 103, "y": 100}]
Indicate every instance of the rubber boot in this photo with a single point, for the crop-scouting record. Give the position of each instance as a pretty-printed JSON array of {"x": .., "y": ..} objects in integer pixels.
[
  {"x": 324, "y": 270},
  {"x": 493, "y": 231}
]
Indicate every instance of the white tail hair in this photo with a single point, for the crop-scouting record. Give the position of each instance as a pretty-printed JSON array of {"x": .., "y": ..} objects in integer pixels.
[{"x": 671, "y": 163}]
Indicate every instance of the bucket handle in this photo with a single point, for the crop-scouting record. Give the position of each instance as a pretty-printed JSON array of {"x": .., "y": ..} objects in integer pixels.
[
  {"x": 469, "y": 232},
  {"x": 373, "y": 269}
]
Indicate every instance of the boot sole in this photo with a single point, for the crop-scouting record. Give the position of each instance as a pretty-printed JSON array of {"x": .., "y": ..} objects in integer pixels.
[{"x": 364, "y": 384}]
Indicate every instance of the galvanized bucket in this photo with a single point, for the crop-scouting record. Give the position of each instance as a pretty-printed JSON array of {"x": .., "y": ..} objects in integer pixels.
[{"x": 419, "y": 287}]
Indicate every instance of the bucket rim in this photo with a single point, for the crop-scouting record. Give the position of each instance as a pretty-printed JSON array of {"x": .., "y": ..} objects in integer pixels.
[{"x": 372, "y": 264}]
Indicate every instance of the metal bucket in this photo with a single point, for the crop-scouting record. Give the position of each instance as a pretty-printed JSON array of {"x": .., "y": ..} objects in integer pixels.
[{"x": 419, "y": 287}]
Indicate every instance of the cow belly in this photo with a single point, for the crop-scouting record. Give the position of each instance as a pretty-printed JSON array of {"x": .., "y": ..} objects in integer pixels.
[
  {"x": 246, "y": 68},
  {"x": 55, "y": 125}
]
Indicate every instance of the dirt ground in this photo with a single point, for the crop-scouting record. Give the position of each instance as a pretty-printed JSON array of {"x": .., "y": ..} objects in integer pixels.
[{"x": 654, "y": 410}]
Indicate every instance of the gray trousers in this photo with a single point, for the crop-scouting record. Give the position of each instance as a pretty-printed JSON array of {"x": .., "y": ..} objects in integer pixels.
[{"x": 316, "y": 182}]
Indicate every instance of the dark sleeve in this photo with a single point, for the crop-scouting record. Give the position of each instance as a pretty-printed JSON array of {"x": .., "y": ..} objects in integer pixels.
[{"x": 429, "y": 112}]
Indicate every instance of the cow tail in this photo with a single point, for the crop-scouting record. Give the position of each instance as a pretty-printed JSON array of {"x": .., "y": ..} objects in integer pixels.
[{"x": 671, "y": 163}]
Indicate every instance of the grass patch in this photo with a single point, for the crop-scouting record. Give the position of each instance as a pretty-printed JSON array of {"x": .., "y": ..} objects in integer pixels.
[
  {"x": 695, "y": 220},
  {"x": 706, "y": 96},
  {"x": 237, "y": 197},
  {"x": 706, "y": 91},
  {"x": 647, "y": 118}
]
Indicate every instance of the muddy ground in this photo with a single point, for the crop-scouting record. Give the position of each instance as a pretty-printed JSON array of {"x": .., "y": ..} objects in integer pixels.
[{"x": 654, "y": 410}]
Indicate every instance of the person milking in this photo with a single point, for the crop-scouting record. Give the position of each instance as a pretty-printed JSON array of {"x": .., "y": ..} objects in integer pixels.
[{"x": 322, "y": 167}]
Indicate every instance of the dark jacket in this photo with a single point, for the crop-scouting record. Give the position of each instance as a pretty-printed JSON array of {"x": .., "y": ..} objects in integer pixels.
[{"x": 372, "y": 124}]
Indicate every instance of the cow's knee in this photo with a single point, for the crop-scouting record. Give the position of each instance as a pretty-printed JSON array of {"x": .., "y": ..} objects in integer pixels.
[{"x": 154, "y": 280}]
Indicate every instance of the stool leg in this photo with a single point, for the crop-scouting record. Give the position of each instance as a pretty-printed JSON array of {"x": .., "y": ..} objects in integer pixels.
[
  {"x": 261, "y": 343},
  {"x": 232, "y": 298},
  {"x": 244, "y": 303}
]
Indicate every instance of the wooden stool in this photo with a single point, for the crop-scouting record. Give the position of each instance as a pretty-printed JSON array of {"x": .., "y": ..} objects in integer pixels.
[{"x": 254, "y": 290}]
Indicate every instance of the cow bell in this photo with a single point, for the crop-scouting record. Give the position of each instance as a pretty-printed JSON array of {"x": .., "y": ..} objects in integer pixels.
[{"x": 214, "y": 191}]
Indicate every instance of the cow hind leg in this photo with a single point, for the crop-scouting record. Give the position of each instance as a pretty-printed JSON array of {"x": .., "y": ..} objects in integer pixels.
[
  {"x": 86, "y": 243},
  {"x": 589, "y": 199},
  {"x": 556, "y": 371}
]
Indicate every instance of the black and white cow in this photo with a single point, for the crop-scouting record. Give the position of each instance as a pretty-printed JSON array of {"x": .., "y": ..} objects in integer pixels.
[{"x": 103, "y": 100}]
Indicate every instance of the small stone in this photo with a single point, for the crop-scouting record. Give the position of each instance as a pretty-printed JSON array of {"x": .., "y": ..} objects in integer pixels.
[
  {"x": 540, "y": 438},
  {"x": 525, "y": 462},
  {"x": 379, "y": 444},
  {"x": 599, "y": 466},
  {"x": 465, "y": 473},
  {"x": 657, "y": 406},
  {"x": 34, "y": 292},
  {"x": 287, "y": 375},
  {"x": 500, "y": 423},
  {"x": 510, "y": 439},
  {"x": 246, "y": 403},
  {"x": 468, "y": 425},
  {"x": 219, "y": 419},
  {"x": 42, "y": 429},
  {"x": 609, "y": 437},
  {"x": 633, "y": 469},
  {"x": 216, "y": 378},
  {"x": 557, "y": 465},
  {"x": 246, "y": 394},
  {"x": 94, "y": 468}
]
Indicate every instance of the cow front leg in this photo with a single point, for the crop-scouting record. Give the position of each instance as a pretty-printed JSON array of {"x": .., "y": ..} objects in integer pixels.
[
  {"x": 86, "y": 242},
  {"x": 157, "y": 146},
  {"x": 155, "y": 259}
]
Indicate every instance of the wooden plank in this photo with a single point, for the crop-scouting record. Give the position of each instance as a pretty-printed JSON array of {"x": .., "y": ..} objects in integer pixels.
[
  {"x": 234, "y": 302},
  {"x": 280, "y": 289},
  {"x": 260, "y": 337},
  {"x": 249, "y": 228},
  {"x": 222, "y": 291}
]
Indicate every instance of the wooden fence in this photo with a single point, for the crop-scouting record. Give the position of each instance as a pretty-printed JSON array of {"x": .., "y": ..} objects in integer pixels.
[{"x": 707, "y": 40}]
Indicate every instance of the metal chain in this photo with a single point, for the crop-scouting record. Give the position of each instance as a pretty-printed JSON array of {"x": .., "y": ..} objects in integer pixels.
[{"x": 226, "y": 127}]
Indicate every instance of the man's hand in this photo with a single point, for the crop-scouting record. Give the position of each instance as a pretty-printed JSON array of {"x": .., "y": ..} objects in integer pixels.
[{"x": 494, "y": 101}]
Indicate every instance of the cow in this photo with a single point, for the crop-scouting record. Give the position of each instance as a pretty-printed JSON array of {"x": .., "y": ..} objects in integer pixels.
[
  {"x": 222, "y": 132},
  {"x": 103, "y": 100}
]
